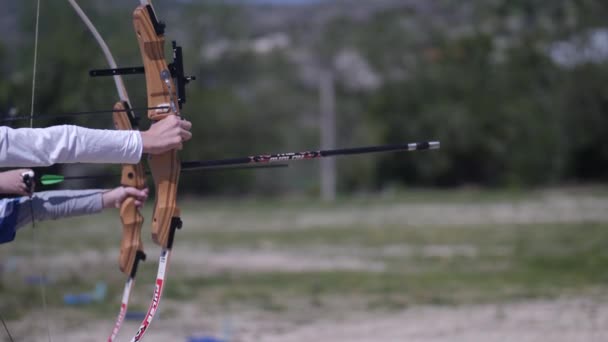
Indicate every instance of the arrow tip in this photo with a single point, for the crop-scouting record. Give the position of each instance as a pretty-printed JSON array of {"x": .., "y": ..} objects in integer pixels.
[{"x": 434, "y": 145}]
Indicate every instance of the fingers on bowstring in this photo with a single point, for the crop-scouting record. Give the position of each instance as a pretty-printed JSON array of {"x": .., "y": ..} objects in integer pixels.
[
  {"x": 24, "y": 190},
  {"x": 185, "y": 124}
]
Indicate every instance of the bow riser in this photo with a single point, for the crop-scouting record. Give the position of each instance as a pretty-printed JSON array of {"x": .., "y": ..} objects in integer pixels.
[
  {"x": 165, "y": 168},
  {"x": 161, "y": 91},
  {"x": 152, "y": 48}
]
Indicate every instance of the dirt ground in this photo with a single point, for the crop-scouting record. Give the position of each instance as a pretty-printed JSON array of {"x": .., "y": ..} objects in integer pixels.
[
  {"x": 567, "y": 319},
  {"x": 562, "y": 320}
]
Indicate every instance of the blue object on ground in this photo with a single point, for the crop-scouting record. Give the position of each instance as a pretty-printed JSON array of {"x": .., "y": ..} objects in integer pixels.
[
  {"x": 10, "y": 265},
  {"x": 204, "y": 339},
  {"x": 87, "y": 297},
  {"x": 100, "y": 291},
  {"x": 136, "y": 315},
  {"x": 36, "y": 280},
  {"x": 78, "y": 299}
]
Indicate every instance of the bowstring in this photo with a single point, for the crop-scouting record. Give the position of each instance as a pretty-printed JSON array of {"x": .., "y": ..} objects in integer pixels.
[
  {"x": 35, "y": 63},
  {"x": 35, "y": 241},
  {"x": 10, "y": 337}
]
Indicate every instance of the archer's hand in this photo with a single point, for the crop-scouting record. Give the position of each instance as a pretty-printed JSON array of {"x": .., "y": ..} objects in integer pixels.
[
  {"x": 11, "y": 182},
  {"x": 167, "y": 134},
  {"x": 115, "y": 197}
]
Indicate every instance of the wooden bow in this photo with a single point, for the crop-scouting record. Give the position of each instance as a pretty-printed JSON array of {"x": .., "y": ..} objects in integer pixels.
[
  {"x": 165, "y": 87},
  {"x": 161, "y": 92},
  {"x": 131, "y": 245}
]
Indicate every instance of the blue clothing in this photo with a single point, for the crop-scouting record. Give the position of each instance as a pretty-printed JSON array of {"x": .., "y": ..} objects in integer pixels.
[{"x": 8, "y": 221}]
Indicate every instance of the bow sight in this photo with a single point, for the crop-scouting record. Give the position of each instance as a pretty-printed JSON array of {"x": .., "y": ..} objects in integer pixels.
[{"x": 176, "y": 68}]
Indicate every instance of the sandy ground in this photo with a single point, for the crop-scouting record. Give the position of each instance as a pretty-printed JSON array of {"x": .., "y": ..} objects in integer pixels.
[
  {"x": 561, "y": 320},
  {"x": 553, "y": 207},
  {"x": 567, "y": 320}
]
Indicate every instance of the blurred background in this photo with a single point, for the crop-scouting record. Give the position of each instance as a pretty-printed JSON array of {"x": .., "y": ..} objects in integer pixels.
[{"x": 499, "y": 235}]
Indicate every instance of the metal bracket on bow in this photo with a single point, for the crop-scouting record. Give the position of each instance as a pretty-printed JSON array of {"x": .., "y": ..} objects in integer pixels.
[{"x": 176, "y": 68}]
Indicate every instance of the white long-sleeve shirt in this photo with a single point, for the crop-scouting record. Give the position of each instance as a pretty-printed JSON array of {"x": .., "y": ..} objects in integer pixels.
[{"x": 29, "y": 147}]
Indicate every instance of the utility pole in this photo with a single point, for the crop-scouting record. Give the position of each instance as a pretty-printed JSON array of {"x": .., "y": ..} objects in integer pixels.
[{"x": 327, "y": 108}]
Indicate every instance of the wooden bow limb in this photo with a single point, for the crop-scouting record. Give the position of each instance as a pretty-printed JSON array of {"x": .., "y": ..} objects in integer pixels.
[{"x": 131, "y": 245}]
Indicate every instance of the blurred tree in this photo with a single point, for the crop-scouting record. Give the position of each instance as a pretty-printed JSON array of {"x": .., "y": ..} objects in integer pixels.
[{"x": 479, "y": 75}]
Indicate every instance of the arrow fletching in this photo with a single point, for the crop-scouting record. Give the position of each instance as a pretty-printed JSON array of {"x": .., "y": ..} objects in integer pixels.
[{"x": 51, "y": 179}]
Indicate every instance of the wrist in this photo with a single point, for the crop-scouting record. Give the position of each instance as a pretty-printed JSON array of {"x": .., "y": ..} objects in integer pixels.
[
  {"x": 145, "y": 142},
  {"x": 104, "y": 199}
]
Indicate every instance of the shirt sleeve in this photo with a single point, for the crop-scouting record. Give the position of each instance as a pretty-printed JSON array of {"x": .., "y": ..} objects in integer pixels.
[
  {"x": 29, "y": 147},
  {"x": 49, "y": 205}
]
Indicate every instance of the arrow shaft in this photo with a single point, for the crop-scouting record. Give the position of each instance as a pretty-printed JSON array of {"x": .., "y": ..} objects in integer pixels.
[
  {"x": 292, "y": 156},
  {"x": 268, "y": 160},
  {"x": 184, "y": 169}
]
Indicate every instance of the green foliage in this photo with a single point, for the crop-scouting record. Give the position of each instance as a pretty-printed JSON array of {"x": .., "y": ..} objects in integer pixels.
[
  {"x": 482, "y": 82},
  {"x": 506, "y": 117}
]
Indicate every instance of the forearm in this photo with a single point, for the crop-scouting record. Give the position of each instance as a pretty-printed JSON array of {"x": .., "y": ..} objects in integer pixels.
[
  {"x": 27, "y": 147},
  {"x": 52, "y": 205},
  {"x": 18, "y": 212}
]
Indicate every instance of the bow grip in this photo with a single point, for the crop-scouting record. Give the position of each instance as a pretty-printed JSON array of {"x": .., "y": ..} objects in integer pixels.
[{"x": 131, "y": 245}]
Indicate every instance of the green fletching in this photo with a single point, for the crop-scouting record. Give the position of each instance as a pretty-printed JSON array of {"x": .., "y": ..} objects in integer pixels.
[{"x": 51, "y": 179}]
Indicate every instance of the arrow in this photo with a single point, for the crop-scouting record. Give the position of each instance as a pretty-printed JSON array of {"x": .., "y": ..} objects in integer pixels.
[
  {"x": 265, "y": 159},
  {"x": 50, "y": 179},
  {"x": 291, "y": 156}
]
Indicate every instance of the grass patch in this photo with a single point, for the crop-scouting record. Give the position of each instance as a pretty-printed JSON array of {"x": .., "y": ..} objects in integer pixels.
[{"x": 438, "y": 265}]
